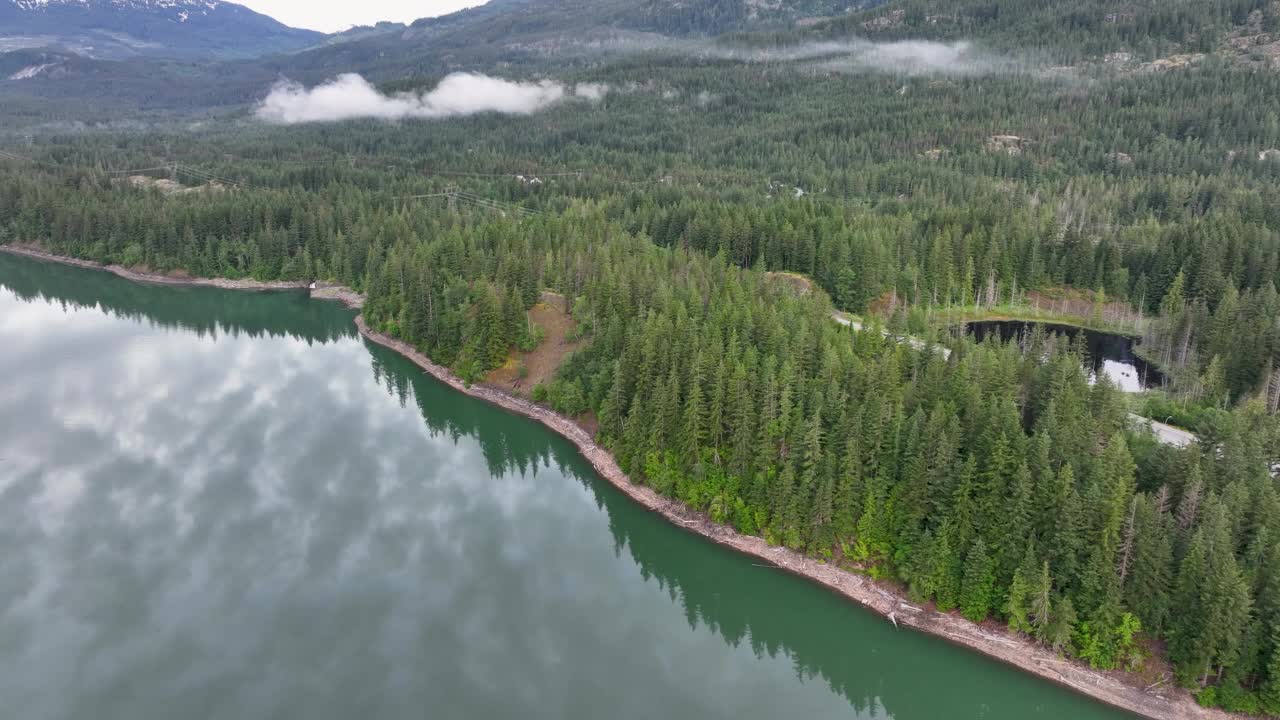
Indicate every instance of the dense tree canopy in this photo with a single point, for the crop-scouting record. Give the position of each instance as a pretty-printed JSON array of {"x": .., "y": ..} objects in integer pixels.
[{"x": 994, "y": 480}]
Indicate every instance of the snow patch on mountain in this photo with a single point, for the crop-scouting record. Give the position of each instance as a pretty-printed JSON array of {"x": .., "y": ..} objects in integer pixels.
[
  {"x": 30, "y": 71},
  {"x": 184, "y": 8},
  {"x": 121, "y": 4},
  {"x": 117, "y": 29}
]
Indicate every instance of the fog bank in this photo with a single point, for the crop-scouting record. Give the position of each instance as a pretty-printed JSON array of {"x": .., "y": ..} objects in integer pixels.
[{"x": 350, "y": 96}]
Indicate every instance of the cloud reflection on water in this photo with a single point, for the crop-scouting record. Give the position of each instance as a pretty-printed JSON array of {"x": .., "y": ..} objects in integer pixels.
[
  {"x": 193, "y": 524},
  {"x": 205, "y": 515}
]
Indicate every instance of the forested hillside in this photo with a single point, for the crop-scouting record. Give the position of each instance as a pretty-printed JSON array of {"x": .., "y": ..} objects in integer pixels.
[
  {"x": 995, "y": 481},
  {"x": 1074, "y": 30}
]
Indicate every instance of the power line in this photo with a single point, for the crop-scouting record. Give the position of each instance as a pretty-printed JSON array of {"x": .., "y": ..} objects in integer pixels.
[
  {"x": 494, "y": 205},
  {"x": 497, "y": 204},
  {"x": 514, "y": 175},
  {"x": 24, "y": 158},
  {"x": 175, "y": 168},
  {"x": 208, "y": 176},
  {"x": 180, "y": 169},
  {"x": 455, "y": 194},
  {"x": 140, "y": 170},
  {"x": 323, "y": 161}
]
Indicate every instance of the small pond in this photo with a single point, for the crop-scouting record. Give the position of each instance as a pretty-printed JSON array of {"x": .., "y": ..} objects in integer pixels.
[{"x": 1106, "y": 352}]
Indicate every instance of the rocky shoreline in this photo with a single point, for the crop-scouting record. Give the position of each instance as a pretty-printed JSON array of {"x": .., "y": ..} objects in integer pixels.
[
  {"x": 323, "y": 291},
  {"x": 1161, "y": 703},
  {"x": 1171, "y": 704}
]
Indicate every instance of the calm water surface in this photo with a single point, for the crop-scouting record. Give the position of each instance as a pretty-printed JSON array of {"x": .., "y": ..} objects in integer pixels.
[{"x": 227, "y": 505}]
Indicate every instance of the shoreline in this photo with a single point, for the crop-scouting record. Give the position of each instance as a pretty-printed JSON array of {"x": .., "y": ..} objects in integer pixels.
[
  {"x": 885, "y": 601},
  {"x": 1077, "y": 322},
  {"x": 323, "y": 291},
  {"x": 1016, "y": 651}
]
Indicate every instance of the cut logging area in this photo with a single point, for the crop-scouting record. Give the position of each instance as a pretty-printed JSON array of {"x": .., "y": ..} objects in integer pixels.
[{"x": 550, "y": 320}]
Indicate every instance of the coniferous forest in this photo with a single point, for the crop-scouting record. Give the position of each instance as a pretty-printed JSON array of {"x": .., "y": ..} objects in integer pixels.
[{"x": 996, "y": 480}]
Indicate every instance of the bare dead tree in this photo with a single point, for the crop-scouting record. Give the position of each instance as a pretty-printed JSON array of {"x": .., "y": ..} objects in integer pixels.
[
  {"x": 1186, "y": 343},
  {"x": 1126, "y": 548},
  {"x": 1273, "y": 392},
  {"x": 1189, "y": 507},
  {"x": 1161, "y": 500}
]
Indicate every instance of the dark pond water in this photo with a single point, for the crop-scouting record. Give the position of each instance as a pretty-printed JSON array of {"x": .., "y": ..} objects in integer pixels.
[
  {"x": 219, "y": 505},
  {"x": 1106, "y": 353}
]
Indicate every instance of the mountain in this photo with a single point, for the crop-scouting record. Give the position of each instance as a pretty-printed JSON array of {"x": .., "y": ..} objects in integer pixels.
[
  {"x": 118, "y": 29},
  {"x": 548, "y": 35},
  {"x": 109, "y": 52},
  {"x": 363, "y": 31},
  {"x": 554, "y": 38}
]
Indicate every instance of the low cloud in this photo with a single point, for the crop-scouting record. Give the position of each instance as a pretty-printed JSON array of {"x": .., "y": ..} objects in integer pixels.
[
  {"x": 594, "y": 92},
  {"x": 906, "y": 57},
  {"x": 919, "y": 57},
  {"x": 350, "y": 96}
]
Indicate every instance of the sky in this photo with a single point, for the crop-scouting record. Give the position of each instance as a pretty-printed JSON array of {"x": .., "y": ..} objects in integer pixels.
[{"x": 335, "y": 15}]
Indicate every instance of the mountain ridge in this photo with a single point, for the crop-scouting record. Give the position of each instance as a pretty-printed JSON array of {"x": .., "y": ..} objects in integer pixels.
[
  {"x": 119, "y": 29},
  {"x": 524, "y": 39}
]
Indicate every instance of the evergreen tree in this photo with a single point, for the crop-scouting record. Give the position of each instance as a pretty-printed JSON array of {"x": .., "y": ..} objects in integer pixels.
[
  {"x": 1022, "y": 594},
  {"x": 1269, "y": 695},
  {"x": 1062, "y": 625},
  {"x": 1041, "y": 604},
  {"x": 1149, "y": 583},
  {"x": 977, "y": 590}
]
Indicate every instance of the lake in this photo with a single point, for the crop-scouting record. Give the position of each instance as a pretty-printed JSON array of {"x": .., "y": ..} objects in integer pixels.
[
  {"x": 1105, "y": 353},
  {"x": 228, "y": 505}
]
